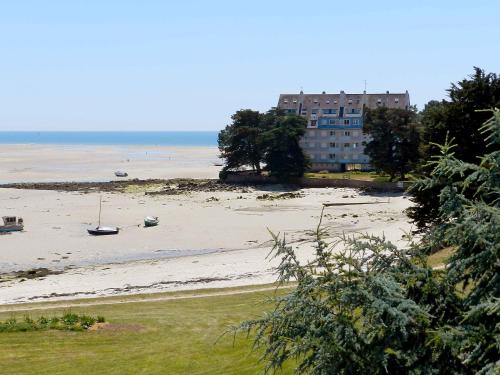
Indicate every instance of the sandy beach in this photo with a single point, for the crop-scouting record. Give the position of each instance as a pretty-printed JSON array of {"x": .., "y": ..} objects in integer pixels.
[
  {"x": 38, "y": 163},
  {"x": 205, "y": 238}
]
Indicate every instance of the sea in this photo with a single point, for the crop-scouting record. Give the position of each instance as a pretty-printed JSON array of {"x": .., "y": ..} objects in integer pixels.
[{"x": 156, "y": 138}]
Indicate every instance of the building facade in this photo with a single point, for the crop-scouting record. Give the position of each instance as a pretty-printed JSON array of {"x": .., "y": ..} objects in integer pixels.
[{"x": 334, "y": 136}]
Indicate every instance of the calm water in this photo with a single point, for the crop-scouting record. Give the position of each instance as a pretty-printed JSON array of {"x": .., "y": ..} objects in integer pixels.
[{"x": 173, "y": 138}]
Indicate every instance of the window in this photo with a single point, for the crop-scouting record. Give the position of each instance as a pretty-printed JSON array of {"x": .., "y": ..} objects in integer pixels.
[
  {"x": 323, "y": 156},
  {"x": 396, "y": 100},
  {"x": 332, "y": 144},
  {"x": 332, "y": 156},
  {"x": 355, "y": 122},
  {"x": 347, "y": 145},
  {"x": 327, "y": 102},
  {"x": 332, "y": 122},
  {"x": 346, "y": 122},
  {"x": 332, "y": 133},
  {"x": 379, "y": 101},
  {"x": 329, "y": 111},
  {"x": 347, "y": 134},
  {"x": 314, "y": 122},
  {"x": 295, "y": 100},
  {"x": 334, "y": 102},
  {"x": 354, "y": 145},
  {"x": 349, "y": 101},
  {"x": 323, "y": 145},
  {"x": 312, "y": 144},
  {"x": 285, "y": 101}
]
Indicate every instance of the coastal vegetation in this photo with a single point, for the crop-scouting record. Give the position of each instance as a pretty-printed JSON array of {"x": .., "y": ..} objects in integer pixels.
[
  {"x": 364, "y": 305},
  {"x": 67, "y": 322},
  {"x": 264, "y": 141},
  {"x": 394, "y": 140},
  {"x": 460, "y": 118}
]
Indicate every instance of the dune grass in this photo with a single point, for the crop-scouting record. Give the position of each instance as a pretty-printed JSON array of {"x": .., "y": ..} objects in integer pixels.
[{"x": 163, "y": 337}]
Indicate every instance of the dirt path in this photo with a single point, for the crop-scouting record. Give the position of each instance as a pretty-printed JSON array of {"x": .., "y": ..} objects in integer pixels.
[{"x": 134, "y": 299}]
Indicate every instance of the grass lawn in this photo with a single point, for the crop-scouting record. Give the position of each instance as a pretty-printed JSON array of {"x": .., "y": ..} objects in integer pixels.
[
  {"x": 180, "y": 336},
  {"x": 355, "y": 175},
  {"x": 438, "y": 259}
]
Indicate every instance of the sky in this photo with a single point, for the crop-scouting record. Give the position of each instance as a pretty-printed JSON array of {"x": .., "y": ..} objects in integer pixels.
[{"x": 188, "y": 65}]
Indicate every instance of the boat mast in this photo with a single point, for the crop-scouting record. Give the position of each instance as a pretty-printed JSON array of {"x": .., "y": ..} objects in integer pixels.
[{"x": 100, "y": 206}]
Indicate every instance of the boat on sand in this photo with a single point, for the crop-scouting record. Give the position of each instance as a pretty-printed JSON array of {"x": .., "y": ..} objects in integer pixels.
[
  {"x": 12, "y": 224},
  {"x": 102, "y": 231},
  {"x": 151, "y": 221},
  {"x": 121, "y": 174}
]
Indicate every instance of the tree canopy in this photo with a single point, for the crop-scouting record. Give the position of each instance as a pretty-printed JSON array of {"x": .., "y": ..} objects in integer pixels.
[
  {"x": 460, "y": 120},
  {"x": 270, "y": 138},
  {"x": 239, "y": 143},
  {"x": 394, "y": 144}
]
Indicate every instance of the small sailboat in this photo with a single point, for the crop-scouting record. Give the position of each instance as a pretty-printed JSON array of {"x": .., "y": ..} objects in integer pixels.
[
  {"x": 102, "y": 231},
  {"x": 151, "y": 221},
  {"x": 11, "y": 224}
]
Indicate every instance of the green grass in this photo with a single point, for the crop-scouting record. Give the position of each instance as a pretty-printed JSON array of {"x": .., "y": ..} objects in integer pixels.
[
  {"x": 162, "y": 337},
  {"x": 438, "y": 259},
  {"x": 354, "y": 175}
]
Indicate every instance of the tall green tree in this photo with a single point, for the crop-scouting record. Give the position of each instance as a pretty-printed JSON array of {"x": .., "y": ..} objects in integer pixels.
[
  {"x": 270, "y": 138},
  {"x": 364, "y": 306},
  {"x": 240, "y": 142},
  {"x": 394, "y": 144},
  {"x": 458, "y": 119},
  {"x": 283, "y": 155}
]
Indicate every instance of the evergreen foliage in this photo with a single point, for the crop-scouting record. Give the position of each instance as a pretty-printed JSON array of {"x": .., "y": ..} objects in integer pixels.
[
  {"x": 456, "y": 119},
  {"x": 284, "y": 157},
  {"x": 239, "y": 143},
  {"x": 364, "y": 306},
  {"x": 394, "y": 144},
  {"x": 270, "y": 138}
]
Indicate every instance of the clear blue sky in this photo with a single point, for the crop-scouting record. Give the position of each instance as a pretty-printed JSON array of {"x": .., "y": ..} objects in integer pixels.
[{"x": 187, "y": 65}]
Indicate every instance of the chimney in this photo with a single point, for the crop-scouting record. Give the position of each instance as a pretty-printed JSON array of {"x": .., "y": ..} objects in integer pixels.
[
  {"x": 324, "y": 92},
  {"x": 387, "y": 92}
]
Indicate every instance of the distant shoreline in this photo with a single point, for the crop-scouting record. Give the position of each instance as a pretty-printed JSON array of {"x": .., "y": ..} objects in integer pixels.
[{"x": 111, "y": 138}]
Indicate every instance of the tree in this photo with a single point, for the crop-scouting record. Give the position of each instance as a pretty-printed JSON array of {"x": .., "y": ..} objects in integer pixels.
[
  {"x": 283, "y": 155},
  {"x": 394, "y": 143},
  {"x": 239, "y": 143},
  {"x": 364, "y": 306},
  {"x": 456, "y": 119},
  {"x": 271, "y": 138}
]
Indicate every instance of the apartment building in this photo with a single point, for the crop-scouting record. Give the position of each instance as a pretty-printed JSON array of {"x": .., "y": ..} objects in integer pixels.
[{"x": 334, "y": 136}]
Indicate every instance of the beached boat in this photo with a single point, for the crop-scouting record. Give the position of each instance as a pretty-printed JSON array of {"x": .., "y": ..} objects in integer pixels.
[
  {"x": 121, "y": 174},
  {"x": 102, "y": 231},
  {"x": 12, "y": 224},
  {"x": 151, "y": 221}
]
